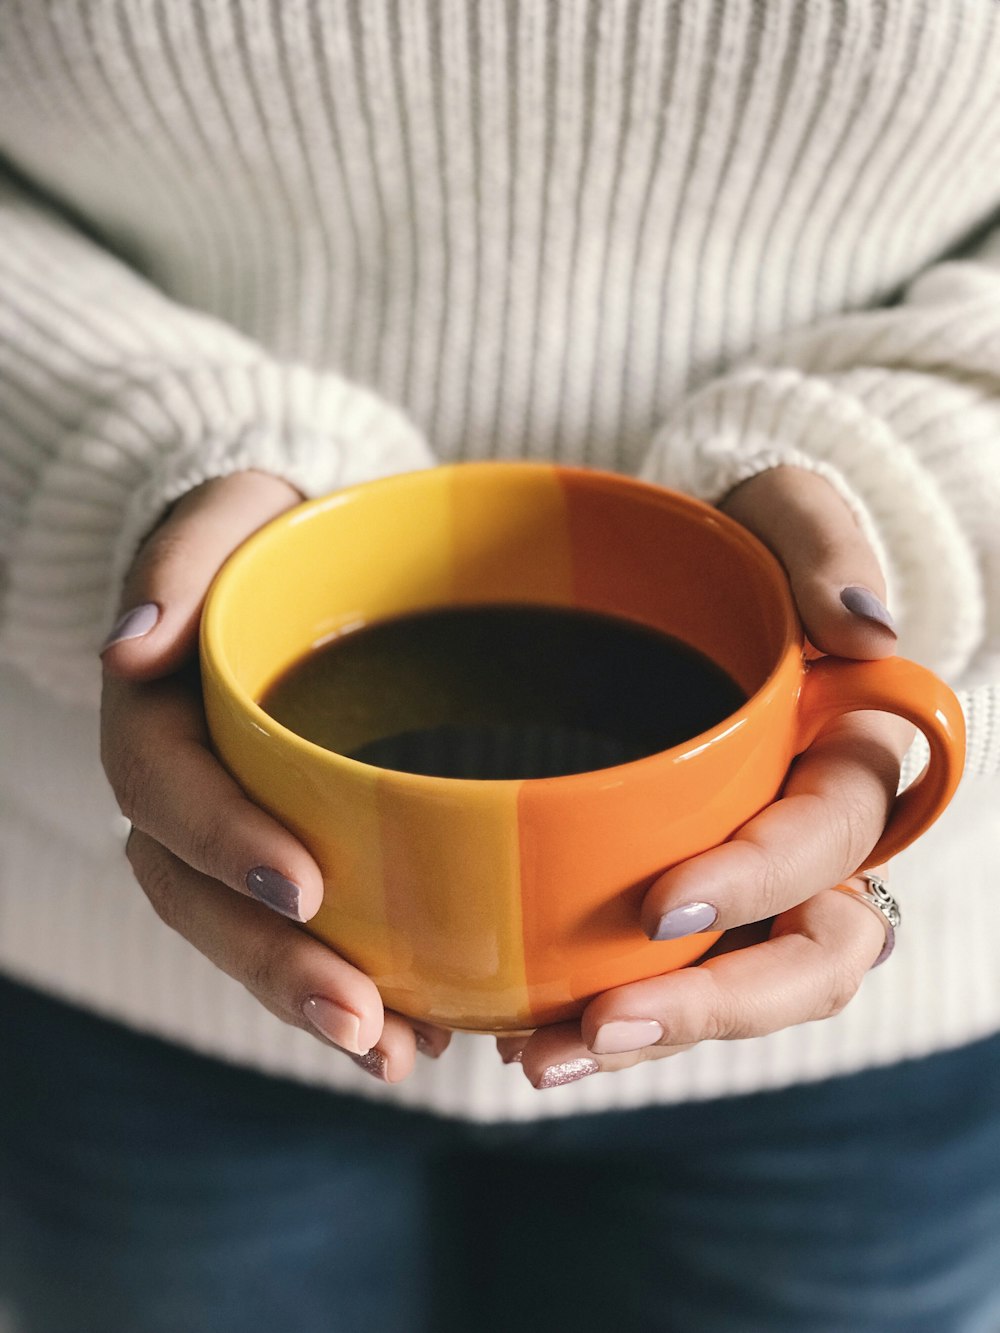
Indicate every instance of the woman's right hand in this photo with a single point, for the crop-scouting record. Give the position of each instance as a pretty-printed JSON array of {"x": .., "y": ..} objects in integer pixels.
[{"x": 210, "y": 861}]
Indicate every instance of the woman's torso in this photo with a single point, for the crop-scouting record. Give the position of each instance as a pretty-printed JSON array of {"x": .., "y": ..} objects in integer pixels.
[{"x": 533, "y": 225}]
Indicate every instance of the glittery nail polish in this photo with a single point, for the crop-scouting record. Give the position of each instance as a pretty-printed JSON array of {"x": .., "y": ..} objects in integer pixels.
[
  {"x": 372, "y": 1062},
  {"x": 275, "y": 891},
  {"x": 568, "y": 1072},
  {"x": 863, "y": 602},
  {"x": 685, "y": 920}
]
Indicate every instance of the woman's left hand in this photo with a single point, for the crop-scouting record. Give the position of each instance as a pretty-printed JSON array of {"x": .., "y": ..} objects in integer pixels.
[{"x": 795, "y": 949}]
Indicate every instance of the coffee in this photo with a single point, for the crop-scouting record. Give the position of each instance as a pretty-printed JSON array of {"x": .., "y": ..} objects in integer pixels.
[{"x": 501, "y": 691}]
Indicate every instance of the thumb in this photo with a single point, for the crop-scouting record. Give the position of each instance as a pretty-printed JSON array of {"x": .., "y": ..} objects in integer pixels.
[
  {"x": 157, "y": 629},
  {"x": 836, "y": 581}
]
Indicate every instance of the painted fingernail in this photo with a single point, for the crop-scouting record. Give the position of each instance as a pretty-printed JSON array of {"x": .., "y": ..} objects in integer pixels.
[
  {"x": 425, "y": 1046},
  {"x": 335, "y": 1022},
  {"x": 626, "y": 1034},
  {"x": 275, "y": 891},
  {"x": 133, "y": 624},
  {"x": 568, "y": 1072},
  {"x": 372, "y": 1062},
  {"x": 863, "y": 602},
  {"x": 514, "y": 1058},
  {"x": 685, "y": 920}
]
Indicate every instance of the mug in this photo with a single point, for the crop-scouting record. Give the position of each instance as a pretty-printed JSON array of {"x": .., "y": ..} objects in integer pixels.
[{"x": 499, "y": 905}]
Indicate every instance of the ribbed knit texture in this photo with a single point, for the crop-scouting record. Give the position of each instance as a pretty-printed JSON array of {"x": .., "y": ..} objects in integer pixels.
[{"x": 335, "y": 240}]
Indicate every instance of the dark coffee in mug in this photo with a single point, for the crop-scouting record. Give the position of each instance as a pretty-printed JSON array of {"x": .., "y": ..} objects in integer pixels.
[{"x": 501, "y": 691}]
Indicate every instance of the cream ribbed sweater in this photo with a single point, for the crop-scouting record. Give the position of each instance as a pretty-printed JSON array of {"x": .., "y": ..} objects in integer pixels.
[{"x": 336, "y": 240}]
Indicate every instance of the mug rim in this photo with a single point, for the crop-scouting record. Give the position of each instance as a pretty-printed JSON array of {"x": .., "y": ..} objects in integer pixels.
[{"x": 212, "y": 654}]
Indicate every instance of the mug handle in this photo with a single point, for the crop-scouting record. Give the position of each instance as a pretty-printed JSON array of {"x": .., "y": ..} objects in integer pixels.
[{"x": 834, "y": 686}]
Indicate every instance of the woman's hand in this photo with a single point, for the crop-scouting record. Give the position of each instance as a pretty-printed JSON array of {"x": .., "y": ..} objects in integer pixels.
[
  {"x": 210, "y": 861},
  {"x": 811, "y": 946}
]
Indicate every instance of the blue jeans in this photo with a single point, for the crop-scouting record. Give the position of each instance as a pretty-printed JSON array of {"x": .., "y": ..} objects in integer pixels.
[{"x": 144, "y": 1189}]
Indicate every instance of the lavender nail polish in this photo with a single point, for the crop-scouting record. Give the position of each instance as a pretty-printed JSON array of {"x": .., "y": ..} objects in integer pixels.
[
  {"x": 133, "y": 624},
  {"x": 686, "y": 920},
  {"x": 275, "y": 891},
  {"x": 568, "y": 1072},
  {"x": 862, "y": 602}
]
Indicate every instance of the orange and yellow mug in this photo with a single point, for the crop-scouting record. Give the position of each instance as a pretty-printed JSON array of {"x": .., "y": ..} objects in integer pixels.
[{"x": 501, "y": 905}]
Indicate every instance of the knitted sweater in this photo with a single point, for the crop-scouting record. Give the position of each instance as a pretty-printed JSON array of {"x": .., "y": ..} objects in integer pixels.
[{"x": 335, "y": 240}]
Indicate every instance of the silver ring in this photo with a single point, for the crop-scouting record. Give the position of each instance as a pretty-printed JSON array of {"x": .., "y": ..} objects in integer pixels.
[{"x": 880, "y": 900}]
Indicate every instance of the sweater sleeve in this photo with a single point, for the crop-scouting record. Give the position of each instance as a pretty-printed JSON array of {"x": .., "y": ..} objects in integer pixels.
[
  {"x": 114, "y": 401},
  {"x": 899, "y": 408}
]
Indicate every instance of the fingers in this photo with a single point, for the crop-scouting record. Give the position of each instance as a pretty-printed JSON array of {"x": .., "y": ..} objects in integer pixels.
[
  {"x": 169, "y": 785},
  {"x": 810, "y": 967},
  {"x": 835, "y": 805},
  {"x": 510, "y": 1049},
  {"x": 299, "y": 979},
  {"x": 557, "y": 1055},
  {"x": 812, "y": 964},
  {"x": 429, "y": 1040},
  {"x": 164, "y": 592},
  {"x": 283, "y": 967},
  {"x": 835, "y": 576},
  {"x": 194, "y": 829},
  {"x": 153, "y": 742}
]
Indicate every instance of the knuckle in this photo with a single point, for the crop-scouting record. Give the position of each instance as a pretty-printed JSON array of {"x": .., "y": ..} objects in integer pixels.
[
  {"x": 827, "y": 555},
  {"x": 855, "y": 782},
  {"x": 724, "y": 1016},
  {"x": 773, "y": 870},
  {"x": 129, "y": 778},
  {"x": 206, "y": 839},
  {"x": 857, "y": 827},
  {"x": 167, "y": 546},
  {"x": 268, "y": 973},
  {"x": 159, "y": 886},
  {"x": 842, "y": 985},
  {"x": 258, "y": 971},
  {"x": 718, "y": 1027}
]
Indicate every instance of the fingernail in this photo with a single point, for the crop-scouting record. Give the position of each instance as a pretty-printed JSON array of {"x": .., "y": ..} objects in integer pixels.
[
  {"x": 425, "y": 1046},
  {"x": 863, "y": 602},
  {"x": 133, "y": 624},
  {"x": 334, "y": 1022},
  {"x": 274, "y": 891},
  {"x": 568, "y": 1072},
  {"x": 626, "y": 1034},
  {"x": 686, "y": 920},
  {"x": 372, "y": 1062},
  {"x": 514, "y": 1058}
]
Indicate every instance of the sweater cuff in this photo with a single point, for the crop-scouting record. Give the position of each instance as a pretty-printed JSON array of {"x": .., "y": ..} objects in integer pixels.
[
  {"x": 141, "y": 450},
  {"x": 724, "y": 469},
  {"x": 765, "y": 418}
]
